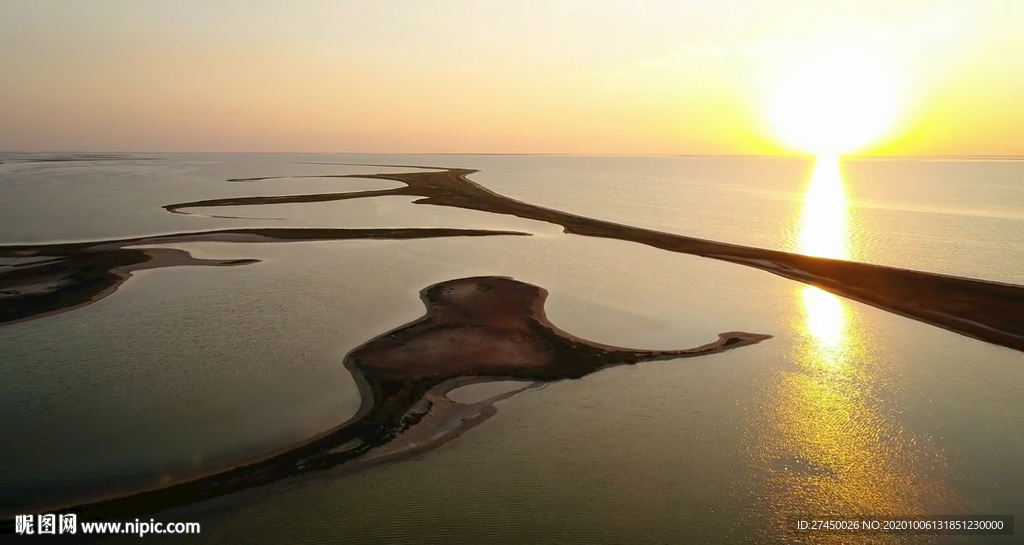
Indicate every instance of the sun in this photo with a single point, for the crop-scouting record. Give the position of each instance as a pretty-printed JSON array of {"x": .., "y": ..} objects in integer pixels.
[{"x": 833, "y": 104}]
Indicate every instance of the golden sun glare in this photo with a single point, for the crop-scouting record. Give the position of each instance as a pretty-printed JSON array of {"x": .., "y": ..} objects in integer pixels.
[{"x": 835, "y": 103}]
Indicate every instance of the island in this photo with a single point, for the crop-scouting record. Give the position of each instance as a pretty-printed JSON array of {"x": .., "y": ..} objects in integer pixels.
[{"x": 473, "y": 330}]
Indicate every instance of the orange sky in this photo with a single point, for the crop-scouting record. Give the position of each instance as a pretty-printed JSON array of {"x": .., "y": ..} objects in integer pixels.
[{"x": 543, "y": 76}]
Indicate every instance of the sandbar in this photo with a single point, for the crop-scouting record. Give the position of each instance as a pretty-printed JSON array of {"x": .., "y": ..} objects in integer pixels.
[
  {"x": 989, "y": 311},
  {"x": 45, "y": 279}
]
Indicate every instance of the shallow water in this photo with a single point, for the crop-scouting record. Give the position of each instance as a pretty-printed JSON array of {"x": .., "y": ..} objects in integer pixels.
[{"x": 848, "y": 409}]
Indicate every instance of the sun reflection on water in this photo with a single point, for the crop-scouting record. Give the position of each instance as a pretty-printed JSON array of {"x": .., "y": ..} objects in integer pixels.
[
  {"x": 830, "y": 449},
  {"x": 825, "y": 321},
  {"x": 824, "y": 232},
  {"x": 824, "y": 218}
]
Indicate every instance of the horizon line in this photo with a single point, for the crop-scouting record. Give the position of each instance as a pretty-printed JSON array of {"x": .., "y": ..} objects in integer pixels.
[{"x": 379, "y": 153}]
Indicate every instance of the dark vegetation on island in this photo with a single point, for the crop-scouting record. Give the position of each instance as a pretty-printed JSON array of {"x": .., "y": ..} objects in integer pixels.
[{"x": 474, "y": 329}]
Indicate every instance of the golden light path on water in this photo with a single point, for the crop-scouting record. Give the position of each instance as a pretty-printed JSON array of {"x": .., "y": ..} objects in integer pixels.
[
  {"x": 829, "y": 447},
  {"x": 824, "y": 232}
]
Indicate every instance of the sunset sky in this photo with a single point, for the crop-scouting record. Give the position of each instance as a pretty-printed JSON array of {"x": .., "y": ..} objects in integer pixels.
[{"x": 525, "y": 76}]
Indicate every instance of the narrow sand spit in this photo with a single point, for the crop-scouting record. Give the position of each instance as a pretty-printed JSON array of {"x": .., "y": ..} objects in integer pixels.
[
  {"x": 988, "y": 311},
  {"x": 77, "y": 274}
]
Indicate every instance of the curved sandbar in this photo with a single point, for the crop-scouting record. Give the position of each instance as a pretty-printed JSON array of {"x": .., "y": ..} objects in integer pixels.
[
  {"x": 47, "y": 279},
  {"x": 988, "y": 311},
  {"x": 474, "y": 329}
]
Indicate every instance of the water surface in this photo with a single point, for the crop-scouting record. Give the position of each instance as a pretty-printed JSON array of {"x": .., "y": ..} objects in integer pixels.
[{"x": 848, "y": 408}]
